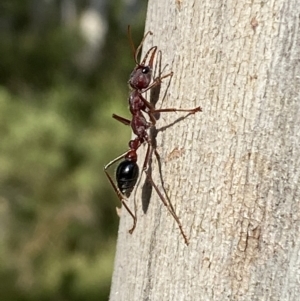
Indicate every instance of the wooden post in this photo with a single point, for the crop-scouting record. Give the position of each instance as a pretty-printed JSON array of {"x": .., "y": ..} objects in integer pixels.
[{"x": 232, "y": 171}]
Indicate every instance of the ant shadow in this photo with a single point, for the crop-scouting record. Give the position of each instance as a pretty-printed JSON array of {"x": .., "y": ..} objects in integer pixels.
[
  {"x": 147, "y": 186},
  {"x": 154, "y": 97}
]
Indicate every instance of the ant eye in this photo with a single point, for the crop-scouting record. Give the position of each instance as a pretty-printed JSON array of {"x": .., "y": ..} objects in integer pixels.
[{"x": 145, "y": 70}]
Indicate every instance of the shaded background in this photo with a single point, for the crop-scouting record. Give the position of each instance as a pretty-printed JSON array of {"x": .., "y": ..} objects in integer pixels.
[{"x": 64, "y": 67}]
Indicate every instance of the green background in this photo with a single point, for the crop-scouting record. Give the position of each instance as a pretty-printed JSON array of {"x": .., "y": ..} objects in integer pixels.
[{"x": 58, "y": 221}]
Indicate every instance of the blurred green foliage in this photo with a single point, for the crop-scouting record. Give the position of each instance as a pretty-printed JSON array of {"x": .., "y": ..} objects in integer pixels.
[{"x": 57, "y": 209}]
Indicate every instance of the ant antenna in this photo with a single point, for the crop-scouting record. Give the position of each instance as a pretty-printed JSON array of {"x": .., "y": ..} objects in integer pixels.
[{"x": 137, "y": 50}]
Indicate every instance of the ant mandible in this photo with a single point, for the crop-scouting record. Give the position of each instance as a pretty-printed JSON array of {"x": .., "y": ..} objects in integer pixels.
[{"x": 127, "y": 172}]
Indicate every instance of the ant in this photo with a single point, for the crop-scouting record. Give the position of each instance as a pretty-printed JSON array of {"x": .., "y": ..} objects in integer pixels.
[{"x": 127, "y": 172}]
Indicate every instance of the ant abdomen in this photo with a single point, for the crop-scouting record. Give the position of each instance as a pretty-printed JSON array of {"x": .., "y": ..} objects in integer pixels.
[{"x": 126, "y": 176}]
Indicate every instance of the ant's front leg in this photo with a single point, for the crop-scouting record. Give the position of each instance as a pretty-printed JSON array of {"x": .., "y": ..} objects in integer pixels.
[{"x": 157, "y": 81}]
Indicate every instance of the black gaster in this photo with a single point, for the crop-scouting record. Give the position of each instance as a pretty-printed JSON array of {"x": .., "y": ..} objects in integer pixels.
[{"x": 126, "y": 176}]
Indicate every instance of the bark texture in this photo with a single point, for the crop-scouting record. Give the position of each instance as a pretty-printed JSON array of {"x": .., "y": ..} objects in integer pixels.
[{"x": 231, "y": 172}]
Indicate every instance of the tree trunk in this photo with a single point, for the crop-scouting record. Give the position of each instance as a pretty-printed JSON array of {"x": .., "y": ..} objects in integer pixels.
[{"x": 232, "y": 171}]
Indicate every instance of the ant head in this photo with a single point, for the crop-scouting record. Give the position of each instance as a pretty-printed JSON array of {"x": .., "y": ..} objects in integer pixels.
[{"x": 141, "y": 75}]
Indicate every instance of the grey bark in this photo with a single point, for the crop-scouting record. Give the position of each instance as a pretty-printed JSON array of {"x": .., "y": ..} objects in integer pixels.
[{"x": 231, "y": 172}]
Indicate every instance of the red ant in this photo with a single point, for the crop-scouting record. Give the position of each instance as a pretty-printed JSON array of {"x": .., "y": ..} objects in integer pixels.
[{"x": 127, "y": 172}]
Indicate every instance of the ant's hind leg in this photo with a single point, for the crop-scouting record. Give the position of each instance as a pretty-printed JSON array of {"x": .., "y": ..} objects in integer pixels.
[
  {"x": 170, "y": 208},
  {"x": 122, "y": 199}
]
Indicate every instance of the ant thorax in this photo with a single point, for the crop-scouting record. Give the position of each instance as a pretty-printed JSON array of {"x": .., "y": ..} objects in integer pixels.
[{"x": 136, "y": 102}]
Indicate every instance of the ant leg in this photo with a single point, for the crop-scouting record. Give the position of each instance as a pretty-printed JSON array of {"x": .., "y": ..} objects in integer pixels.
[
  {"x": 121, "y": 197},
  {"x": 115, "y": 160},
  {"x": 121, "y": 119},
  {"x": 168, "y": 207},
  {"x": 191, "y": 111},
  {"x": 162, "y": 198},
  {"x": 159, "y": 166},
  {"x": 151, "y": 110},
  {"x": 157, "y": 81},
  {"x": 128, "y": 122},
  {"x": 153, "y": 48},
  {"x": 122, "y": 200},
  {"x": 147, "y": 156}
]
